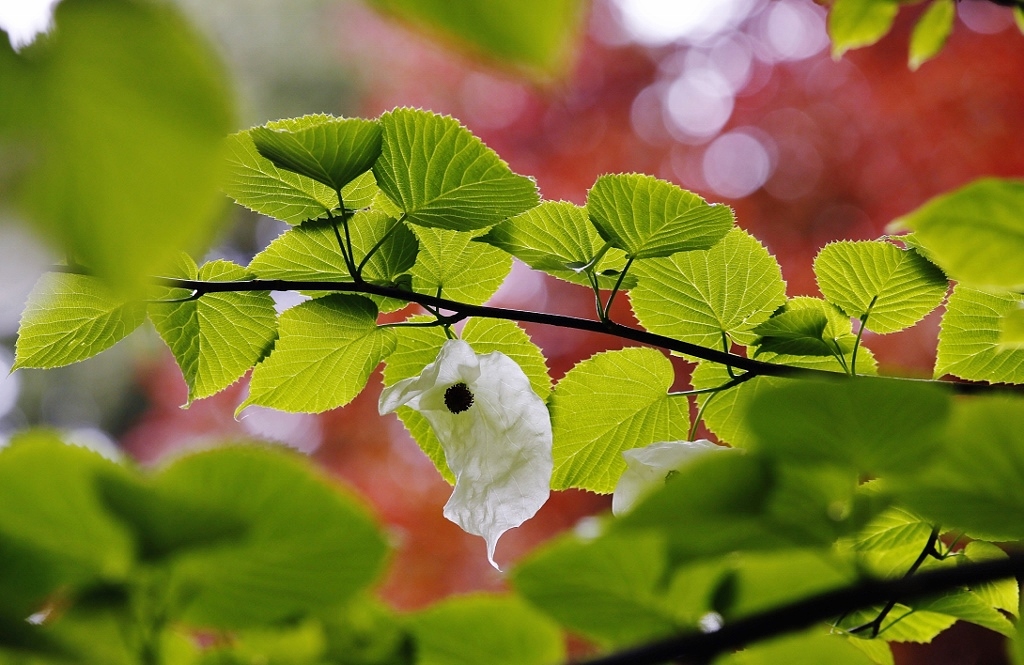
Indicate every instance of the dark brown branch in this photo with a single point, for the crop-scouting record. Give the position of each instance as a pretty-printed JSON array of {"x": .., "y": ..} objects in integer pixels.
[
  {"x": 700, "y": 648},
  {"x": 463, "y": 310}
]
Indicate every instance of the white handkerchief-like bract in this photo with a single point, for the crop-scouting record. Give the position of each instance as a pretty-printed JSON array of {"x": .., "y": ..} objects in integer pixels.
[
  {"x": 495, "y": 432},
  {"x": 648, "y": 468}
]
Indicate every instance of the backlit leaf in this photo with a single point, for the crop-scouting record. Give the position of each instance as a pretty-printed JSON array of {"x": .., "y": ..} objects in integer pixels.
[
  {"x": 71, "y": 317},
  {"x": 442, "y": 176},
  {"x": 216, "y": 338},
  {"x": 624, "y": 395},
  {"x": 1001, "y": 594},
  {"x": 1011, "y": 329},
  {"x": 323, "y": 357},
  {"x": 695, "y": 296},
  {"x": 976, "y": 233},
  {"x": 462, "y": 270},
  {"x": 327, "y": 149},
  {"x": 969, "y": 337},
  {"x": 647, "y": 217},
  {"x": 558, "y": 238},
  {"x": 795, "y": 332},
  {"x": 931, "y": 32},
  {"x": 810, "y": 648},
  {"x": 896, "y": 288},
  {"x": 856, "y": 23}
]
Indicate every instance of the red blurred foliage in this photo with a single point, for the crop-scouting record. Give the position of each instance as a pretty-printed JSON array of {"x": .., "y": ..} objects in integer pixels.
[{"x": 859, "y": 142}]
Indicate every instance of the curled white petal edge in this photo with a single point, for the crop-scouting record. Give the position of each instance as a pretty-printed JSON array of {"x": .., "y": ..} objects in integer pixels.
[
  {"x": 648, "y": 467},
  {"x": 499, "y": 449}
]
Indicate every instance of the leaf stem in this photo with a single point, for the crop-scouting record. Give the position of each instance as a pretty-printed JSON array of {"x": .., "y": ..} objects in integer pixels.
[
  {"x": 615, "y": 289},
  {"x": 856, "y": 343}
]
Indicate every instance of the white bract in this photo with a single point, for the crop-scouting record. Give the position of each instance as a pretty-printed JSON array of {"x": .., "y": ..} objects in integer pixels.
[
  {"x": 648, "y": 468},
  {"x": 495, "y": 432}
]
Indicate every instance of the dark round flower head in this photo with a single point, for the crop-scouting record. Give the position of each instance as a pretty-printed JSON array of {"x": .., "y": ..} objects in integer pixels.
[{"x": 458, "y": 398}]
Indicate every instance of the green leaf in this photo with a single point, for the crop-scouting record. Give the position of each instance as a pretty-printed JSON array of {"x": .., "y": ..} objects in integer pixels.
[
  {"x": 695, "y": 296},
  {"x": 968, "y": 606},
  {"x": 1018, "y": 17},
  {"x": 325, "y": 353},
  {"x": 809, "y": 648},
  {"x": 977, "y": 484},
  {"x": 870, "y": 425},
  {"x": 877, "y": 650},
  {"x": 607, "y": 589},
  {"x": 417, "y": 347},
  {"x": 763, "y": 580},
  {"x": 310, "y": 252},
  {"x": 895, "y": 288},
  {"x": 71, "y": 317},
  {"x": 216, "y": 338},
  {"x": 891, "y": 542},
  {"x": 558, "y": 238},
  {"x": 444, "y": 177},
  {"x": 625, "y": 396},
  {"x": 969, "y": 337},
  {"x": 1011, "y": 329},
  {"x": 130, "y": 158},
  {"x": 535, "y": 35},
  {"x": 462, "y": 270},
  {"x": 51, "y": 510},
  {"x": 931, "y": 32},
  {"x": 647, "y": 217},
  {"x": 1002, "y": 594},
  {"x": 856, "y": 23},
  {"x": 726, "y": 415},
  {"x": 500, "y": 630},
  {"x": 309, "y": 546},
  {"x": 976, "y": 233},
  {"x": 795, "y": 332},
  {"x": 327, "y": 149},
  {"x": 724, "y": 503}
]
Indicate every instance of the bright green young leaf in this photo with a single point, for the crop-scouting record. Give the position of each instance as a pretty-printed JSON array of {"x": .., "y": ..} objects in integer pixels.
[
  {"x": 813, "y": 647},
  {"x": 311, "y": 252},
  {"x": 1002, "y": 594},
  {"x": 976, "y": 233},
  {"x": 624, "y": 395},
  {"x": 498, "y": 630},
  {"x": 977, "y": 484},
  {"x": 218, "y": 337},
  {"x": 799, "y": 332},
  {"x": 323, "y": 357},
  {"x": 558, "y": 238},
  {"x": 71, "y": 317},
  {"x": 534, "y": 35},
  {"x": 902, "y": 624},
  {"x": 896, "y": 288},
  {"x": 890, "y": 543},
  {"x": 870, "y": 425},
  {"x": 969, "y": 337},
  {"x": 330, "y": 150},
  {"x": 131, "y": 158},
  {"x": 462, "y": 270},
  {"x": 309, "y": 546},
  {"x": 606, "y": 589},
  {"x": 968, "y": 606},
  {"x": 417, "y": 347},
  {"x": 764, "y": 580},
  {"x": 695, "y": 296},
  {"x": 724, "y": 503},
  {"x": 1018, "y": 17},
  {"x": 931, "y": 32},
  {"x": 856, "y": 23},
  {"x": 647, "y": 217},
  {"x": 444, "y": 177},
  {"x": 1011, "y": 329},
  {"x": 877, "y": 650},
  {"x": 51, "y": 509}
]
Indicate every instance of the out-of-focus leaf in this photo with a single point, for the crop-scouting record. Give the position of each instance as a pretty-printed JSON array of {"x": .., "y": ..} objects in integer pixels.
[
  {"x": 607, "y": 589},
  {"x": 976, "y": 233},
  {"x": 810, "y": 648},
  {"x": 323, "y": 357},
  {"x": 856, "y": 23},
  {"x": 500, "y": 630},
  {"x": 624, "y": 395},
  {"x": 216, "y": 338},
  {"x": 1002, "y": 594},
  {"x": 970, "y": 344},
  {"x": 931, "y": 31},
  {"x": 327, "y": 149},
  {"x": 442, "y": 176},
  {"x": 535, "y": 35},
  {"x": 1011, "y": 329},
  {"x": 131, "y": 157},
  {"x": 647, "y": 217},
  {"x": 696, "y": 296},
  {"x": 71, "y": 317}
]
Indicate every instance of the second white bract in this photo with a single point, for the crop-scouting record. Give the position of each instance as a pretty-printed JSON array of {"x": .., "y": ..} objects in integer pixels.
[
  {"x": 648, "y": 468},
  {"x": 495, "y": 432}
]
